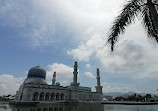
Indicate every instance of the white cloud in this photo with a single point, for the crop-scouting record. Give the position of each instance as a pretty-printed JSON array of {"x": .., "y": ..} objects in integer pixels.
[
  {"x": 129, "y": 57},
  {"x": 62, "y": 71},
  {"x": 148, "y": 72},
  {"x": 118, "y": 89},
  {"x": 108, "y": 88},
  {"x": 88, "y": 65},
  {"x": 47, "y": 22},
  {"x": 9, "y": 84},
  {"x": 89, "y": 74},
  {"x": 84, "y": 51},
  {"x": 134, "y": 54},
  {"x": 63, "y": 82},
  {"x": 42, "y": 22},
  {"x": 30, "y": 19}
]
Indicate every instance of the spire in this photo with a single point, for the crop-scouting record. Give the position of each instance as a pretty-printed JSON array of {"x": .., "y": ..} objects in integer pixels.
[
  {"x": 54, "y": 78},
  {"x": 98, "y": 87}
]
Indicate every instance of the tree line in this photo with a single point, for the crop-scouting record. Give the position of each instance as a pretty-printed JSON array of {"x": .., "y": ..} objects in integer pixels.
[
  {"x": 7, "y": 97},
  {"x": 136, "y": 97}
]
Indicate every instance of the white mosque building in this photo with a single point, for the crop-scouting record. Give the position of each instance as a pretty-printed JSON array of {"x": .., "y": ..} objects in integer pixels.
[{"x": 35, "y": 88}]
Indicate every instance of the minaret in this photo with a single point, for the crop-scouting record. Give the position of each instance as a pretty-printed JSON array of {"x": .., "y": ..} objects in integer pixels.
[
  {"x": 75, "y": 73},
  {"x": 74, "y": 84},
  {"x": 54, "y": 78},
  {"x": 98, "y": 87}
]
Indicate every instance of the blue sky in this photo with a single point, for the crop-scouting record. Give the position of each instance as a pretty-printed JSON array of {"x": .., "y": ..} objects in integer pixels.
[{"x": 55, "y": 33}]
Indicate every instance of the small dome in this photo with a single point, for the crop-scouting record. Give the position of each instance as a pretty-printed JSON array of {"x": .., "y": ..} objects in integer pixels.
[
  {"x": 38, "y": 72},
  {"x": 57, "y": 84}
]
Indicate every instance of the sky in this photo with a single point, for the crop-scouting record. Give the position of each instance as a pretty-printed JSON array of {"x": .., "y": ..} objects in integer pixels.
[{"x": 55, "y": 33}]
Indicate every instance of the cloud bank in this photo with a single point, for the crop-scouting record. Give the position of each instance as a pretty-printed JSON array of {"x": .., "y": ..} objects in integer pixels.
[
  {"x": 81, "y": 27},
  {"x": 62, "y": 71},
  {"x": 9, "y": 84},
  {"x": 90, "y": 75}
]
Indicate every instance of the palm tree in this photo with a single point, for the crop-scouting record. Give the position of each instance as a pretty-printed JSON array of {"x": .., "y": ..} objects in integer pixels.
[{"x": 147, "y": 8}]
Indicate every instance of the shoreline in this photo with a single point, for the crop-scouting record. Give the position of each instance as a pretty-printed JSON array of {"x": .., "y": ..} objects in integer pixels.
[
  {"x": 130, "y": 103},
  {"x": 44, "y": 103}
]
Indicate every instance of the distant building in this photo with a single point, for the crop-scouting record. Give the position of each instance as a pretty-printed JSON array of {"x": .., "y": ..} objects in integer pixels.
[{"x": 35, "y": 88}]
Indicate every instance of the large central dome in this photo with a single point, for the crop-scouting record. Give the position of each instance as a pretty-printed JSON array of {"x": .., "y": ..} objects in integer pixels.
[{"x": 38, "y": 72}]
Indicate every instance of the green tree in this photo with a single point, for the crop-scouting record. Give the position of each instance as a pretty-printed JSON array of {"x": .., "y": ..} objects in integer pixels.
[
  {"x": 148, "y": 96},
  {"x": 147, "y": 8},
  {"x": 8, "y": 96},
  {"x": 120, "y": 98},
  {"x": 141, "y": 98},
  {"x": 132, "y": 98},
  {"x": 135, "y": 95}
]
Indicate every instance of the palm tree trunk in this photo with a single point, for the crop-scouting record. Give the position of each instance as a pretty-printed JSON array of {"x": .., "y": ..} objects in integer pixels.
[{"x": 154, "y": 16}]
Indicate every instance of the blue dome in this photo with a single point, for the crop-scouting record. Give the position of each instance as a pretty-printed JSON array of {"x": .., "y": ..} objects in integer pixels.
[
  {"x": 38, "y": 72},
  {"x": 57, "y": 84}
]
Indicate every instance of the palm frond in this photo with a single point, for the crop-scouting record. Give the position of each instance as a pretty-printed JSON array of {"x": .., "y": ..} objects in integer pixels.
[
  {"x": 148, "y": 23},
  {"x": 154, "y": 18},
  {"x": 127, "y": 15}
]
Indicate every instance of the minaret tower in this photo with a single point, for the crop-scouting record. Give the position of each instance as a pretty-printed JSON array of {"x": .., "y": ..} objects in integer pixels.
[
  {"x": 75, "y": 73},
  {"x": 98, "y": 87},
  {"x": 54, "y": 78},
  {"x": 74, "y": 84}
]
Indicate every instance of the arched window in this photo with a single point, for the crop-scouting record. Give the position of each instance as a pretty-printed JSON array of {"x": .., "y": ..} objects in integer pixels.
[
  {"x": 47, "y": 96},
  {"x": 41, "y": 96},
  {"x": 35, "y": 96},
  {"x": 62, "y": 96},
  {"x": 52, "y": 96},
  {"x": 57, "y": 96}
]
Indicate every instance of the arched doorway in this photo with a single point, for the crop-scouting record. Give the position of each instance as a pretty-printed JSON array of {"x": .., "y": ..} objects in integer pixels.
[
  {"x": 57, "y": 96},
  {"x": 35, "y": 96},
  {"x": 41, "y": 96},
  {"x": 47, "y": 96},
  {"x": 62, "y": 96},
  {"x": 52, "y": 96}
]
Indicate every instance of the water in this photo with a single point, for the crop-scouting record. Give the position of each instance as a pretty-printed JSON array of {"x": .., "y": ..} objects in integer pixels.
[{"x": 105, "y": 107}]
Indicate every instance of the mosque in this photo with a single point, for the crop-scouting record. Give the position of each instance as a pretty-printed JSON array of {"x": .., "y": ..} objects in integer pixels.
[{"x": 35, "y": 88}]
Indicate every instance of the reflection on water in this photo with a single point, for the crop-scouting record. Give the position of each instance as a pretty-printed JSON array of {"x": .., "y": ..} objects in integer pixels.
[
  {"x": 130, "y": 107},
  {"x": 92, "y": 107},
  {"x": 61, "y": 108}
]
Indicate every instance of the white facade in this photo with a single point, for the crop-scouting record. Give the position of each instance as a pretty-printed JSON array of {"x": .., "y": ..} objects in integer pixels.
[{"x": 35, "y": 88}]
